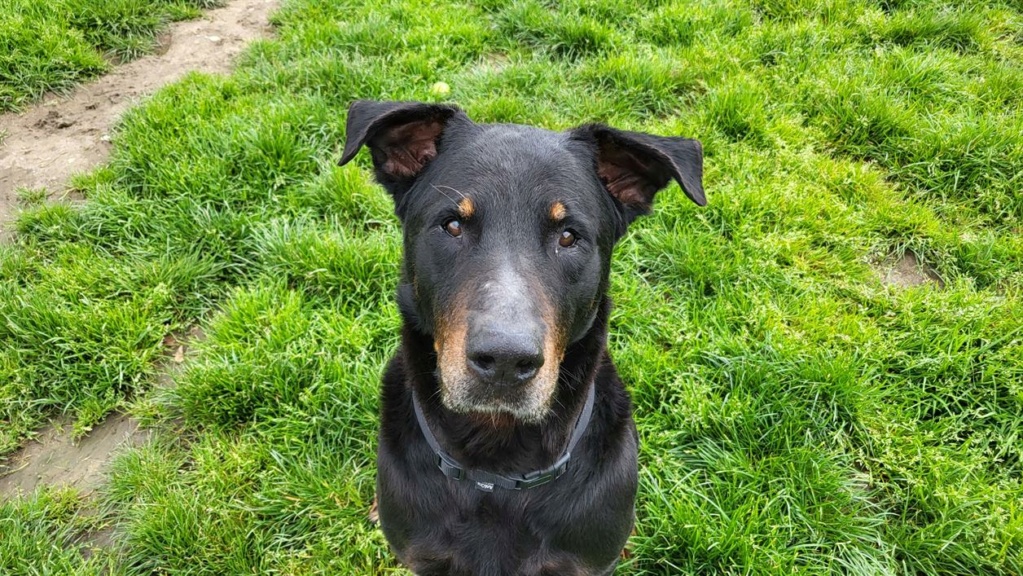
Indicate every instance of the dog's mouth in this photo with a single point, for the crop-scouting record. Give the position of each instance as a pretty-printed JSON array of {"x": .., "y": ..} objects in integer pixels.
[{"x": 530, "y": 404}]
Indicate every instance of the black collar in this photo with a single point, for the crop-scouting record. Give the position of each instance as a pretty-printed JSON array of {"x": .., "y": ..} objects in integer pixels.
[{"x": 486, "y": 481}]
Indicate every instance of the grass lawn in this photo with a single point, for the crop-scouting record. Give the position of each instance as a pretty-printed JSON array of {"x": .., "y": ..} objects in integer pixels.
[
  {"x": 797, "y": 414},
  {"x": 52, "y": 45}
]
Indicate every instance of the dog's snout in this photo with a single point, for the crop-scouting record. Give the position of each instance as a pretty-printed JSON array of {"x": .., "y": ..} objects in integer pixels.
[{"x": 505, "y": 359}]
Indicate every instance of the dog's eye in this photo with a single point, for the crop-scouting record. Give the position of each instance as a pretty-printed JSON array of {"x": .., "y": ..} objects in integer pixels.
[
  {"x": 567, "y": 239},
  {"x": 453, "y": 228}
]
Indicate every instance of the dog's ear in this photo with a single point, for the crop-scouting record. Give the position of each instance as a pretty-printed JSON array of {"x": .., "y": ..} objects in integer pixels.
[
  {"x": 634, "y": 166},
  {"x": 402, "y": 138}
]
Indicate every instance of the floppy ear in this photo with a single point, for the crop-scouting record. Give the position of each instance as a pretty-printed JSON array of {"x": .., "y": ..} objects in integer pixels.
[
  {"x": 634, "y": 166},
  {"x": 402, "y": 137}
]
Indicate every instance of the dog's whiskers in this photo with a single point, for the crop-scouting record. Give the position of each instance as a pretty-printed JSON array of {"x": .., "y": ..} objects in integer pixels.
[{"x": 438, "y": 187}]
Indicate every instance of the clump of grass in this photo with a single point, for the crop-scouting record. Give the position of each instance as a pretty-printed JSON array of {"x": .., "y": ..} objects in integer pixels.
[
  {"x": 39, "y": 53},
  {"x": 124, "y": 28},
  {"x": 668, "y": 26},
  {"x": 43, "y": 533},
  {"x": 563, "y": 34},
  {"x": 738, "y": 112},
  {"x": 654, "y": 83},
  {"x": 823, "y": 11},
  {"x": 960, "y": 30}
]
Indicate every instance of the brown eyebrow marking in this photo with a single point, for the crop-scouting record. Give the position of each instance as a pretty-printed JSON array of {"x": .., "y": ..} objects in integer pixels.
[
  {"x": 558, "y": 211},
  {"x": 466, "y": 208}
]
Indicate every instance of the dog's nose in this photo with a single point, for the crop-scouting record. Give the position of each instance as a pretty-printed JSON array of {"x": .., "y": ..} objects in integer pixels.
[{"x": 503, "y": 359}]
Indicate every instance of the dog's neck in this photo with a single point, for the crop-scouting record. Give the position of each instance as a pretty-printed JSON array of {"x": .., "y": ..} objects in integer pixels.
[{"x": 500, "y": 443}]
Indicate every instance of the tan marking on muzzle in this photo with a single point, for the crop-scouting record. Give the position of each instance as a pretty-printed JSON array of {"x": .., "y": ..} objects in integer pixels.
[
  {"x": 545, "y": 383},
  {"x": 558, "y": 212},
  {"x": 466, "y": 208},
  {"x": 449, "y": 341}
]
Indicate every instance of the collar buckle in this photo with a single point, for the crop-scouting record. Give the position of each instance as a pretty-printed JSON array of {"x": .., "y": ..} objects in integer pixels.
[
  {"x": 450, "y": 469},
  {"x": 541, "y": 477}
]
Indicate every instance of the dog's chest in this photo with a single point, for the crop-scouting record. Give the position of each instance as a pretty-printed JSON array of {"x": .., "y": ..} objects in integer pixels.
[
  {"x": 467, "y": 532},
  {"x": 486, "y": 534}
]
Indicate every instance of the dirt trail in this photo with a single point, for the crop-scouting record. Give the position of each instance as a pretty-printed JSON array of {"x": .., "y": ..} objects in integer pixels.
[
  {"x": 53, "y": 459},
  {"x": 44, "y": 145}
]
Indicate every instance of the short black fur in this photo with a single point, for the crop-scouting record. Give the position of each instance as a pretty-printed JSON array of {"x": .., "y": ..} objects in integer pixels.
[{"x": 503, "y": 285}]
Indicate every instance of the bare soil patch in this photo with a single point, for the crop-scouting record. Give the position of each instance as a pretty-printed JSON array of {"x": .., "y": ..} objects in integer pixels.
[
  {"x": 909, "y": 271},
  {"x": 54, "y": 459},
  {"x": 43, "y": 146}
]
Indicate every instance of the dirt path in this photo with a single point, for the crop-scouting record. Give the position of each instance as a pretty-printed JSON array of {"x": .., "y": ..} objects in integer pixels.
[
  {"x": 43, "y": 146},
  {"x": 55, "y": 460},
  {"x": 62, "y": 135}
]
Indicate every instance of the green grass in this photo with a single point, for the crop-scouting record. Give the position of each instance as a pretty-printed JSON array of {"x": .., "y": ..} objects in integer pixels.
[
  {"x": 42, "y": 535},
  {"x": 51, "y": 46},
  {"x": 796, "y": 414}
]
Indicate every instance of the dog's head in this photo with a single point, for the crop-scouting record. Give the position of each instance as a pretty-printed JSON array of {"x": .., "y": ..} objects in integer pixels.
[{"x": 508, "y": 237}]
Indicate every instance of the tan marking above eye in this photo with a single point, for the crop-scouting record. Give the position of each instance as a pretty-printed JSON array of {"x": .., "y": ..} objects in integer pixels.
[
  {"x": 558, "y": 211},
  {"x": 466, "y": 208}
]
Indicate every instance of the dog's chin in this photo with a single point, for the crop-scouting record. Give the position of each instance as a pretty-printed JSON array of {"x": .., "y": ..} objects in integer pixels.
[{"x": 530, "y": 405}]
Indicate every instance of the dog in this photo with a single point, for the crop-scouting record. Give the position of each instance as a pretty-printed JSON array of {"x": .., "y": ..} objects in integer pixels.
[{"x": 506, "y": 444}]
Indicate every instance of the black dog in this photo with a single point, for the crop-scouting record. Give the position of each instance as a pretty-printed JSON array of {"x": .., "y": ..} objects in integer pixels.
[{"x": 507, "y": 445}]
